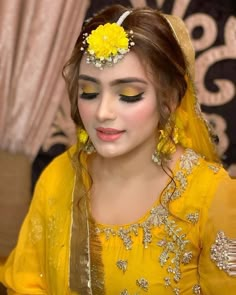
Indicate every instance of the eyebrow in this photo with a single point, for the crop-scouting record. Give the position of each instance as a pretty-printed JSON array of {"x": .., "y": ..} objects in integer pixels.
[{"x": 115, "y": 82}]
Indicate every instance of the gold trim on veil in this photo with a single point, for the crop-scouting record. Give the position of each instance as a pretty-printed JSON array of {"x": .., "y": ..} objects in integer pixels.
[{"x": 197, "y": 132}]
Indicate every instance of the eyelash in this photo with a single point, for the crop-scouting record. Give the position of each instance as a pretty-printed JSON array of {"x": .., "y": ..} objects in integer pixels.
[
  {"x": 88, "y": 96},
  {"x": 133, "y": 98},
  {"x": 125, "y": 98}
]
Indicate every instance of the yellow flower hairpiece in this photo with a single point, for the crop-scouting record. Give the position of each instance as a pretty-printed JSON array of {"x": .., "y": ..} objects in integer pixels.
[{"x": 108, "y": 43}]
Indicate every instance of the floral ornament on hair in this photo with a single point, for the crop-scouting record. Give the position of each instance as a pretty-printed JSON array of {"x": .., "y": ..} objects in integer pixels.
[{"x": 107, "y": 44}]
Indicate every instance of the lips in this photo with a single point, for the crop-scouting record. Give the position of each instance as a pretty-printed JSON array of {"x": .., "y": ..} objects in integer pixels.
[
  {"x": 109, "y": 130},
  {"x": 109, "y": 134}
]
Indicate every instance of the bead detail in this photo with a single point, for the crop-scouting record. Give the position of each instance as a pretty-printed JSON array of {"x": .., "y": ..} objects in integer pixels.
[
  {"x": 214, "y": 168},
  {"x": 223, "y": 253},
  {"x": 197, "y": 289},
  {"x": 142, "y": 283},
  {"x": 122, "y": 265},
  {"x": 193, "y": 217}
]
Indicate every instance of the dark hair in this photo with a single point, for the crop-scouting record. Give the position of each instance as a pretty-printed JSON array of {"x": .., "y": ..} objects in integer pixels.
[{"x": 155, "y": 45}]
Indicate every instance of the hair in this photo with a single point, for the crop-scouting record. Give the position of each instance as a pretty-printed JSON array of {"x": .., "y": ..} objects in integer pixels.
[
  {"x": 160, "y": 53},
  {"x": 156, "y": 47}
]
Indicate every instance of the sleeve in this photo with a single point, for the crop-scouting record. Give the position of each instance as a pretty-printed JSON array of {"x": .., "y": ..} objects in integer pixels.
[
  {"x": 217, "y": 262},
  {"x": 23, "y": 272}
]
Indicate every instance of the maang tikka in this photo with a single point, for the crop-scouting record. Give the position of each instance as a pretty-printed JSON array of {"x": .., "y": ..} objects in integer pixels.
[{"x": 108, "y": 43}]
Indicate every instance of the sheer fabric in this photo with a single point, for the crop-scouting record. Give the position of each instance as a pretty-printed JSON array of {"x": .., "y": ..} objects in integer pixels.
[{"x": 138, "y": 257}]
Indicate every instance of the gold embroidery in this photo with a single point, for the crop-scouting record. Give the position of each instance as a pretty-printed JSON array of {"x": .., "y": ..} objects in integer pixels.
[
  {"x": 122, "y": 265},
  {"x": 142, "y": 283},
  {"x": 214, "y": 168},
  {"x": 167, "y": 281},
  {"x": 176, "y": 291},
  {"x": 36, "y": 232},
  {"x": 174, "y": 246},
  {"x": 187, "y": 257},
  {"x": 193, "y": 217},
  {"x": 125, "y": 292},
  {"x": 197, "y": 289},
  {"x": 156, "y": 218},
  {"x": 223, "y": 253}
]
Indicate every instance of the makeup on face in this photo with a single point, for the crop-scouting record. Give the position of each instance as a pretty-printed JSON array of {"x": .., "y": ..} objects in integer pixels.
[
  {"x": 118, "y": 106},
  {"x": 128, "y": 90}
]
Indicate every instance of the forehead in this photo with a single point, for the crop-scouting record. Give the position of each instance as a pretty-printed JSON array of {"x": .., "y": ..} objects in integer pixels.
[{"x": 129, "y": 66}]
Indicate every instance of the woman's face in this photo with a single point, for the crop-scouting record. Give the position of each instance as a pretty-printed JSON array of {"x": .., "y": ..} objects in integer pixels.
[{"x": 118, "y": 106}]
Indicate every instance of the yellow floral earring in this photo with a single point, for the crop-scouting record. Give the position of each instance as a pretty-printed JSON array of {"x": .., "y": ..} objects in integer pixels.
[
  {"x": 84, "y": 140},
  {"x": 167, "y": 142},
  {"x": 174, "y": 133}
]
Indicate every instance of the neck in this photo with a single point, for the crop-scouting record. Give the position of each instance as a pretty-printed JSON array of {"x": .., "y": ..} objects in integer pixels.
[{"x": 134, "y": 164}]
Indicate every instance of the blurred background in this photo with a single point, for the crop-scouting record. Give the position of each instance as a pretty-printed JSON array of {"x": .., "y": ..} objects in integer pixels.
[{"x": 36, "y": 39}]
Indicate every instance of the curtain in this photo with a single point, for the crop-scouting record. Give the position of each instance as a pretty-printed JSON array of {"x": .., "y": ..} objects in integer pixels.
[{"x": 36, "y": 38}]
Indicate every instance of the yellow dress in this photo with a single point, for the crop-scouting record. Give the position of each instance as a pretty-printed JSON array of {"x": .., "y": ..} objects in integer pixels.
[{"x": 185, "y": 244}]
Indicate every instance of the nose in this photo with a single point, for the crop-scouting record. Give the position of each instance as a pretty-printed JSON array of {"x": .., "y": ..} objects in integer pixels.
[{"x": 106, "y": 109}]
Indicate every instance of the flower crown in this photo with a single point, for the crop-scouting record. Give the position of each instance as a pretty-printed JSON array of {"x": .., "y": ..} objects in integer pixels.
[{"x": 108, "y": 43}]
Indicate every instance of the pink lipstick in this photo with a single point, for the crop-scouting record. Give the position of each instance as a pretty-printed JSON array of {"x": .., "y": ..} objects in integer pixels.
[{"x": 108, "y": 134}]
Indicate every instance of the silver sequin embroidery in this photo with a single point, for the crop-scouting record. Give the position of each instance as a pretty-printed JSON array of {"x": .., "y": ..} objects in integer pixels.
[
  {"x": 193, "y": 217},
  {"x": 142, "y": 283},
  {"x": 197, "y": 289},
  {"x": 122, "y": 265},
  {"x": 174, "y": 246},
  {"x": 223, "y": 253}
]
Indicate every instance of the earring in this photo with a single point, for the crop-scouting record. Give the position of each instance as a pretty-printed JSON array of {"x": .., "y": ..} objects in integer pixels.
[
  {"x": 174, "y": 133},
  {"x": 167, "y": 141},
  {"x": 84, "y": 140}
]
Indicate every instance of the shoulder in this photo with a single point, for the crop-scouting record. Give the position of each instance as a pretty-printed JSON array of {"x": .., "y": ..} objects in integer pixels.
[
  {"x": 197, "y": 182},
  {"x": 60, "y": 172},
  {"x": 204, "y": 176},
  {"x": 61, "y": 166}
]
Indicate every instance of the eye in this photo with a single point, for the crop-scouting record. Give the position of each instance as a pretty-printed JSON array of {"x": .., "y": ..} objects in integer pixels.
[
  {"x": 131, "y": 98},
  {"x": 88, "y": 95},
  {"x": 88, "y": 90}
]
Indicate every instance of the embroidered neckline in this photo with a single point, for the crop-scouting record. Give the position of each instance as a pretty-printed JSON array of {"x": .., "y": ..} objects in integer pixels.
[
  {"x": 159, "y": 214},
  {"x": 174, "y": 251},
  {"x": 186, "y": 161}
]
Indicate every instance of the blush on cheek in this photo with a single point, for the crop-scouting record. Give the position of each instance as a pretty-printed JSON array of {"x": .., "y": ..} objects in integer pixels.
[
  {"x": 85, "y": 112},
  {"x": 141, "y": 116}
]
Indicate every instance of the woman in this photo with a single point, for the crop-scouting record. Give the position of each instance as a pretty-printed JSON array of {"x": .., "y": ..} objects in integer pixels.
[{"x": 141, "y": 204}]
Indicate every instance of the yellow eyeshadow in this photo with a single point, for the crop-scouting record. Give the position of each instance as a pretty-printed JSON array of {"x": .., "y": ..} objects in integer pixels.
[
  {"x": 129, "y": 91},
  {"x": 88, "y": 88}
]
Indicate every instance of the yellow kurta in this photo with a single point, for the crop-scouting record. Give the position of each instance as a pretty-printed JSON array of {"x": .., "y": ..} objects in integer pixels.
[{"x": 174, "y": 251}]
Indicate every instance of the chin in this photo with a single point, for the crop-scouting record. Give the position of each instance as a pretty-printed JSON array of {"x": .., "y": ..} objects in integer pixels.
[{"x": 109, "y": 154}]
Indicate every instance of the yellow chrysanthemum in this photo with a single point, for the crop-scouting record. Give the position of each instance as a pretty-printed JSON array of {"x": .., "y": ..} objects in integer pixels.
[
  {"x": 107, "y": 40},
  {"x": 83, "y": 136}
]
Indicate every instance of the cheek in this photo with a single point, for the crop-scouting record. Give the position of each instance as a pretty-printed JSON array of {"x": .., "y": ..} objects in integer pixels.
[
  {"x": 144, "y": 114},
  {"x": 85, "y": 111}
]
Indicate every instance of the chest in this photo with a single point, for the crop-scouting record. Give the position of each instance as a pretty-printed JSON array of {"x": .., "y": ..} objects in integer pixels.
[
  {"x": 124, "y": 203},
  {"x": 153, "y": 256}
]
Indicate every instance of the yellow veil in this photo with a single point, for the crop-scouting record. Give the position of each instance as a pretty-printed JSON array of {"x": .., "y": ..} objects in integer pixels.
[{"x": 198, "y": 134}]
